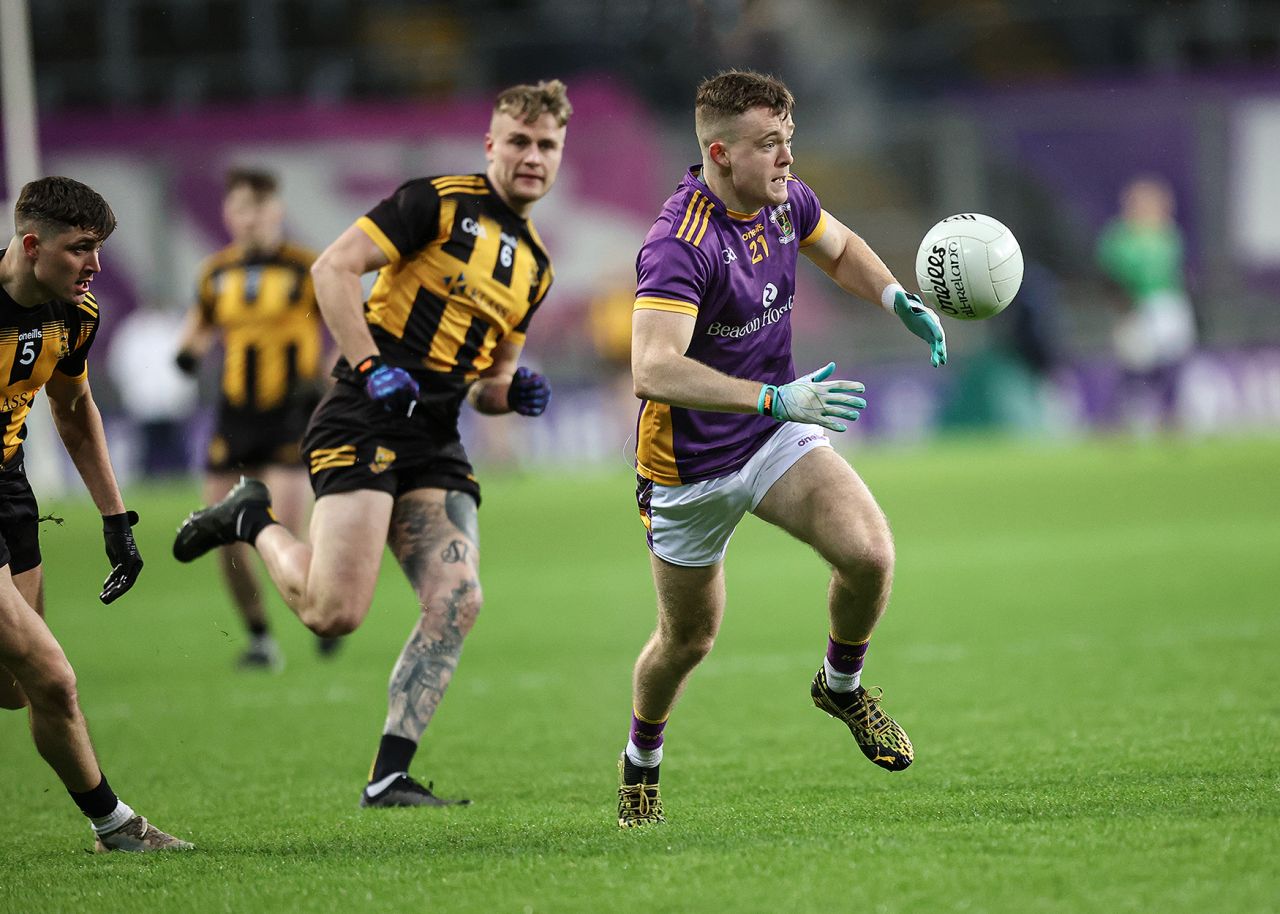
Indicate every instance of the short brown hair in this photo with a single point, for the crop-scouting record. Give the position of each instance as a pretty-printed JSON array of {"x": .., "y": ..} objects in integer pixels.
[
  {"x": 528, "y": 103},
  {"x": 261, "y": 182},
  {"x": 733, "y": 92},
  {"x": 57, "y": 204}
]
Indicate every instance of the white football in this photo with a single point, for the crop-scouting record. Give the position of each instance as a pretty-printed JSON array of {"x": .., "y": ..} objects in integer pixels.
[{"x": 969, "y": 267}]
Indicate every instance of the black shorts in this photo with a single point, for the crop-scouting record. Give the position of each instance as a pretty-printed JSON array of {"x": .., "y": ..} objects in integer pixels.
[
  {"x": 19, "y": 519},
  {"x": 352, "y": 443},
  {"x": 256, "y": 438}
]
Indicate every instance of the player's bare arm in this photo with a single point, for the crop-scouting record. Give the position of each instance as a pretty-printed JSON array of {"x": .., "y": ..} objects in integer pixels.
[
  {"x": 843, "y": 255},
  {"x": 79, "y": 425},
  {"x": 336, "y": 274},
  {"x": 504, "y": 387},
  {"x": 849, "y": 261},
  {"x": 664, "y": 374},
  {"x": 489, "y": 393}
]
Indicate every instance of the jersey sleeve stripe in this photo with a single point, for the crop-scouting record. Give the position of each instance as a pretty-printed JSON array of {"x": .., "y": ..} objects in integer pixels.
[
  {"x": 819, "y": 230},
  {"x": 652, "y": 303},
  {"x": 450, "y": 180},
  {"x": 706, "y": 220},
  {"x": 693, "y": 203},
  {"x": 699, "y": 217},
  {"x": 378, "y": 237}
]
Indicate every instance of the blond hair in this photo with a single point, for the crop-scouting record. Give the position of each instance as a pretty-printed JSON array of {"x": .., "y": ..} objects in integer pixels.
[{"x": 528, "y": 103}]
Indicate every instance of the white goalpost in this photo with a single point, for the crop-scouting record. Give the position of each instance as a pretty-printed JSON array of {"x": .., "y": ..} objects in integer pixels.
[{"x": 22, "y": 164}]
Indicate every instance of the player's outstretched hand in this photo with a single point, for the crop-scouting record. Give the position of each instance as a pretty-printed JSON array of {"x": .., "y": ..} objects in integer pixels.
[
  {"x": 393, "y": 387},
  {"x": 814, "y": 399},
  {"x": 122, "y": 553},
  {"x": 529, "y": 392},
  {"x": 923, "y": 322}
]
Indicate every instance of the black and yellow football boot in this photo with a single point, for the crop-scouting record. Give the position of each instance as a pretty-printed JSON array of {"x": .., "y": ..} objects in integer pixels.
[
  {"x": 639, "y": 803},
  {"x": 876, "y": 733}
]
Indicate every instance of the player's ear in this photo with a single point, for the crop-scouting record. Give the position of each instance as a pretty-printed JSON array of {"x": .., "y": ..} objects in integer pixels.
[
  {"x": 719, "y": 154},
  {"x": 31, "y": 245},
  {"x": 488, "y": 146}
]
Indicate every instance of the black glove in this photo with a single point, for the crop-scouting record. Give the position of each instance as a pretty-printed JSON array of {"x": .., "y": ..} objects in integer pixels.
[
  {"x": 122, "y": 553},
  {"x": 187, "y": 362}
]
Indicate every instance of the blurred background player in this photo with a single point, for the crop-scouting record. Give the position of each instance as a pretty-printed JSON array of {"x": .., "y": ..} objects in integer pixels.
[
  {"x": 461, "y": 273},
  {"x": 711, "y": 356},
  {"x": 48, "y": 320},
  {"x": 1141, "y": 254},
  {"x": 256, "y": 296}
]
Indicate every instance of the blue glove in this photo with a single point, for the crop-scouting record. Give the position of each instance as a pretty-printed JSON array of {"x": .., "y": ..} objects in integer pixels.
[
  {"x": 812, "y": 399},
  {"x": 529, "y": 392},
  {"x": 394, "y": 388},
  {"x": 921, "y": 321}
]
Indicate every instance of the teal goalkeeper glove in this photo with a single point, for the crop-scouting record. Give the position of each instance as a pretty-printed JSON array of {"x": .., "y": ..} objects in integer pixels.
[
  {"x": 813, "y": 399},
  {"x": 921, "y": 321}
]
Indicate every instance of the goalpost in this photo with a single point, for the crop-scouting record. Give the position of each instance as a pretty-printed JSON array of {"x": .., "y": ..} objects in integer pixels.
[
  {"x": 21, "y": 147},
  {"x": 22, "y": 164}
]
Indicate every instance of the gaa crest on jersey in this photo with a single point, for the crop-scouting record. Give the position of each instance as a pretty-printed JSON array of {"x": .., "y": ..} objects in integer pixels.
[
  {"x": 383, "y": 457},
  {"x": 781, "y": 217}
]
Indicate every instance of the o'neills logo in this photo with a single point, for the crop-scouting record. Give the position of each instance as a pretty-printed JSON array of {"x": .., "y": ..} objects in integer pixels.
[
  {"x": 947, "y": 281},
  {"x": 737, "y": 331}
]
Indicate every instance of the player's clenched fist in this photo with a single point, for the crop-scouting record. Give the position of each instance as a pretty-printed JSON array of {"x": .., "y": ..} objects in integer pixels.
[
  {"x": 529, "y": 392},
  {"x": 393, "y": 387}
]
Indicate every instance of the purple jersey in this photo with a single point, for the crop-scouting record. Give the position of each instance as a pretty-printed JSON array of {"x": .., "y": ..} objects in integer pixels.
[{"x": 735, "y": 274}]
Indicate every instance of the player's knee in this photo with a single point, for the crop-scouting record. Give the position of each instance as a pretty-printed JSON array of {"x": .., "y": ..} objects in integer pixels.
[
  {"x": 332, "y": 618},
  {"x": 689, "y": 648},
  {"x": 868, "y": 557},
  {"x": 54, "y": 690},
  {"x": 460, "y": 605},
  {"x": 334, "y": 626}
]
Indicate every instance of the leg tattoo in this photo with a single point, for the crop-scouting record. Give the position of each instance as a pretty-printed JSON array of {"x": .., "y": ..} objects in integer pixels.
[{"x": 436, "y": 545}]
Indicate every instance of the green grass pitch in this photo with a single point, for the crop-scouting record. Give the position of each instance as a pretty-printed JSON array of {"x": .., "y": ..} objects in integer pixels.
[{"x": 1082, "y": 644}]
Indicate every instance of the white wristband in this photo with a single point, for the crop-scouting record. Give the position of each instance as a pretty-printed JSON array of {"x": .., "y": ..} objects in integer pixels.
[{"x": 887, "y": 296}]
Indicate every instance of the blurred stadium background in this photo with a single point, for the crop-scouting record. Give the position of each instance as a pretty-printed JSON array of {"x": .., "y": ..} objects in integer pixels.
[
  {"x": 1083, "y": 632},
  {"x": 1034, "y": 111}
]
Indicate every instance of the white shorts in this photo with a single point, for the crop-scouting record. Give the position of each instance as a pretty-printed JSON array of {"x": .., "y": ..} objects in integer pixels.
[
  {"x": 691, "y": 525},
  {"x": 1161, "y": 331}
]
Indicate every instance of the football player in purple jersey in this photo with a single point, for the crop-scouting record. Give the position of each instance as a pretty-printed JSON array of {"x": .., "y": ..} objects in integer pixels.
[{"x": 727, "y": 427}]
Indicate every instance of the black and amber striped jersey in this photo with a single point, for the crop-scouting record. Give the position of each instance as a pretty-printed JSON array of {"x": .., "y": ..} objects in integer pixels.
[
  {"x": 465, "y": 272},
  {"x": 265, "y": 307},
  {"x": 34, "y": 343}
]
